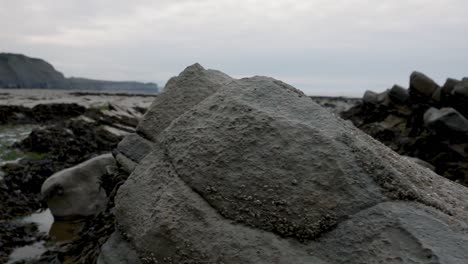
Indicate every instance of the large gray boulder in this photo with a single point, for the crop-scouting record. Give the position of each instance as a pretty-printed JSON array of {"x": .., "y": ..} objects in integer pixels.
[
  {"x": 258, "y": 173},
  {"x": 420, "y": 84},
  {"x": 76, "y": 192},
  {"x": 445, "y": 120},
  {"x": 180, "y": 94}
]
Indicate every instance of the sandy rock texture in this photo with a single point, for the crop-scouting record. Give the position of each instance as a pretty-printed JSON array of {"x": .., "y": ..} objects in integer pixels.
[{"x": 256, "y": 172}]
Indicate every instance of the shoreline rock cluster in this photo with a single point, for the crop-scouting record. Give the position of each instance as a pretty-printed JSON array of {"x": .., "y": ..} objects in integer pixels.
[
  {"x": 425, "y": 121},
  {"x": 254, "y": 171},
  {"x": 251, "y": 170},
  {"x": 66, "y": 135}
]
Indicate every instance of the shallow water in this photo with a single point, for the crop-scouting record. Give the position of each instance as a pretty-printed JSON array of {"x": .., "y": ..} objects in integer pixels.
[
  {"x": 43, "y": 220},
  {"x": 8, "y": 136},
  {"x": 28, "y": 252},
  {"x": 57, "y": 231}
]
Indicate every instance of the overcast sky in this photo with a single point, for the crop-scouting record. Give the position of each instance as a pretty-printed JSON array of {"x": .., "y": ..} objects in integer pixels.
[{"x": 324, "y": 47}]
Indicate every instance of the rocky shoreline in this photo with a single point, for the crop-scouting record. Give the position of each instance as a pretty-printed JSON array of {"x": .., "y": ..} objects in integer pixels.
[
  {"x": 63, "y": 135},
  {"x": 224, "y": 170},
  {"x": 253, "y": 171},
  {"x": 426, "y": 121}
]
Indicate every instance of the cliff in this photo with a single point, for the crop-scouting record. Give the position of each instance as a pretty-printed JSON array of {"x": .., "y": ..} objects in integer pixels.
[{"x": 20, "y": 71}]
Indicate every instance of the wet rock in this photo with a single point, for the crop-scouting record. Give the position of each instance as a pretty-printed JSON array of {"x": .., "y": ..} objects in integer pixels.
[
  {"x": 14, "y": 235},
  {"x": 20, "y": 188},
  {"x": 437, "y": 95},
  {"x": 71, "y": 142},
  {"x": 75, "y": 191},
  {"x": 46, "y": 113},
  {"x": 247, "y": 169},
  {"x": 14, "y": 114},
  {"x": 42, "y": 113}
]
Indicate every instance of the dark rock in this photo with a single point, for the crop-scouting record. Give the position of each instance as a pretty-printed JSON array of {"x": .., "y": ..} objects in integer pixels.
[
  {"x": 20, "y": 189},
  {"x": 446, "y": 120},
  {"x": 71, "y": 142},
  {"x": 421, "y": 85},
  {"x": 46, "y": 113},
  {"x": 449, "y": 85},
  {"x": 398, "y": 94},
  {"x": 404, "y": 128},
  {"x": 14, "y": 114},
  {"x": 461, "y": 89},
  {"x": 42, "y": 113},
  {"x": 336, "y": 105},
  {"x": 370, "y": 98},
  {"x": 14, "y": 235}
]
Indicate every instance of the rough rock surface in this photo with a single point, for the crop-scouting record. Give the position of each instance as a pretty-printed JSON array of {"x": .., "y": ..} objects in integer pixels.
[
  {"x": 179, "y": 95},
  {"x": 420, "y": 162},
  {"x": 258, "y": 173}
]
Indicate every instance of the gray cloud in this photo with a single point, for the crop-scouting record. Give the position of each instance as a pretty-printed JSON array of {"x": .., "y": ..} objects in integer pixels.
[{"x": 323, "y": 47}]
